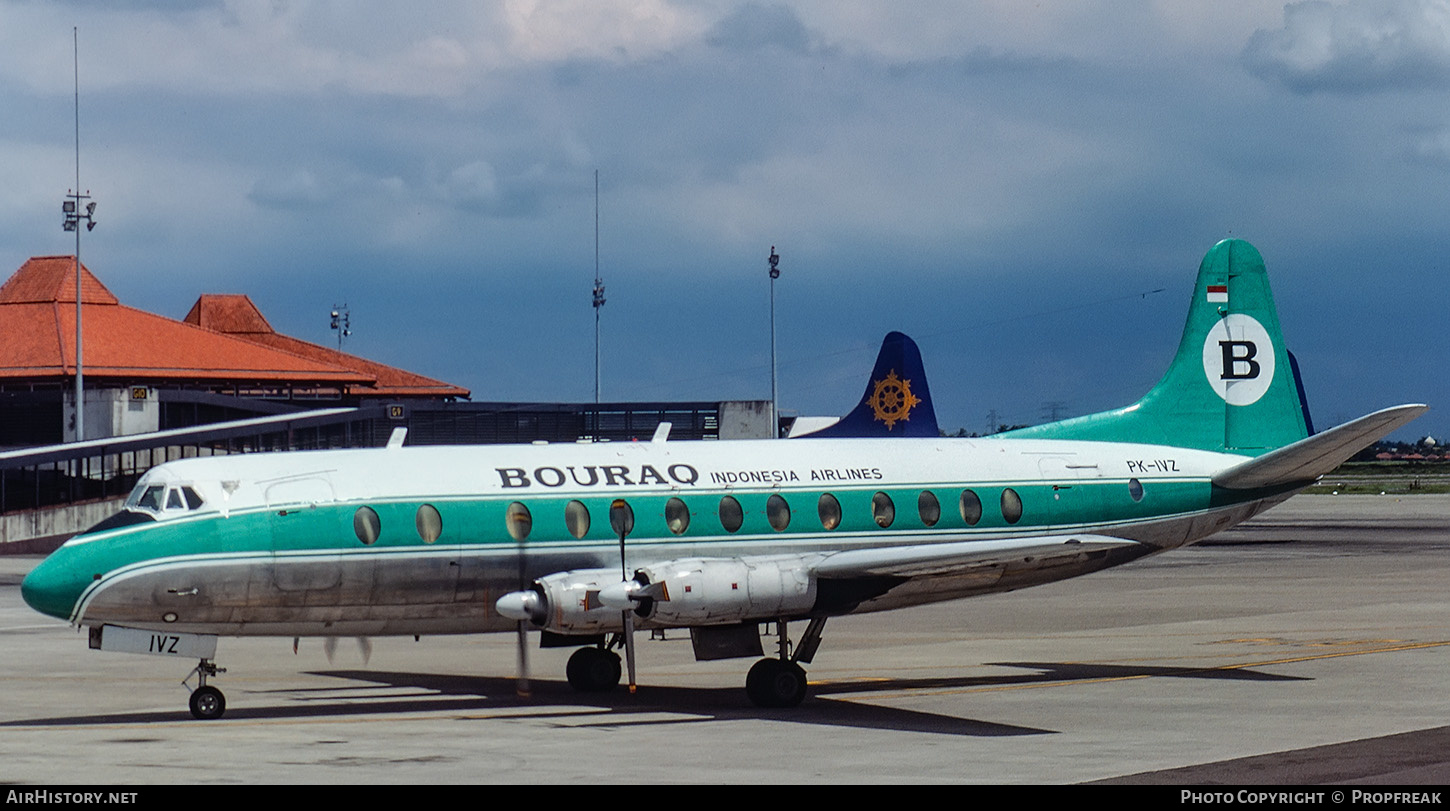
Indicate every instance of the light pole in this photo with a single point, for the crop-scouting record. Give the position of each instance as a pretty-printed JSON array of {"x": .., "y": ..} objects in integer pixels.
[
  {"x": 73, "y": 217},
  {"x": 598, "y": 287},
  {"x": 774, "y": 407},
  {"x": 341, "y": 323}
]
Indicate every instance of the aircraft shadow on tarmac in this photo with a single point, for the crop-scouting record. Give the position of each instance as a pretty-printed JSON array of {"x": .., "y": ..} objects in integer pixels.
[{"x": 550, "y": 699}]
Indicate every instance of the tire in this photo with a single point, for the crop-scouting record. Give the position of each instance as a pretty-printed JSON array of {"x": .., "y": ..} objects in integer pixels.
[
  {"x": 776, "y": 683},
  {"x": 207, "y": 703},
  {"x": 593, "y": 670}
]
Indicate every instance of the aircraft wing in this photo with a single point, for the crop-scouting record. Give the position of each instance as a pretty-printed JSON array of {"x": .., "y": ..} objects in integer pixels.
[
  {"x": 1310, "y": 458},
  {"x": 937, "y": 559}
]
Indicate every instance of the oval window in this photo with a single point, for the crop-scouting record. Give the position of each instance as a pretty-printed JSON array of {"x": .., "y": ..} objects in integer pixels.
[
  {"x": 928, "y": 508},
  {"x": 677, "y": 516},
  {"x": 1135, "y": 489},
  {"x": 576, "y": 518},
  {"x": 971, "y": 507},
  {"x": 519, "y": 521},
  {"x": 777, "y": 511},
  {"x": 621, "y": 517},
  {"x": 1011, "y": 506},
  {"x": 429, "y": 523},
  {"x": 367, "y": 525},
  {"x": 830, "y": 510},
  {"x": 731, "y": 516},
  {"x": 883, "y": 510}
]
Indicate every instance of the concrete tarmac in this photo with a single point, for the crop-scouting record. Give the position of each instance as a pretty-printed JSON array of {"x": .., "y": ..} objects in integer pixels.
[{"x": 1311, "y": 645}]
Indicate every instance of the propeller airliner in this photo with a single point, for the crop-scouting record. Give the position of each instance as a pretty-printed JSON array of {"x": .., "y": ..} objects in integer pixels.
[{"x": 589, "y": 542}]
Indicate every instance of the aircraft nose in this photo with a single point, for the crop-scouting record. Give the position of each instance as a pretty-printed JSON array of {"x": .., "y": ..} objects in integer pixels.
[{"x": 52, "y": 588}]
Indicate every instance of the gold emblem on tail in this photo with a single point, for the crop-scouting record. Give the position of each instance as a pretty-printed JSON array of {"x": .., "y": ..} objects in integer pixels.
[{"x": 892, "y": 400}]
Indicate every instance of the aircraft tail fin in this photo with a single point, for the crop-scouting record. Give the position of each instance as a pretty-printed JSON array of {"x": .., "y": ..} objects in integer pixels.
[
  {"x": 897, "y": 401},
  {"x": 1232, "y": 385}
]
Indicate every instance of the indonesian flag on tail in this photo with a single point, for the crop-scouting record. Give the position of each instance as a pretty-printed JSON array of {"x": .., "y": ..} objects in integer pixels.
[{"x": 1218, "y": 294}]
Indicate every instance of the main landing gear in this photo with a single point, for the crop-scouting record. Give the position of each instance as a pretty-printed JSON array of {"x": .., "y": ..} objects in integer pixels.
[
  {"x": 775, "y": 683},
  {"x": 594, "y": 670},
  {"x": 207, "y": 702},
  {"x": 781, "y": 682}
]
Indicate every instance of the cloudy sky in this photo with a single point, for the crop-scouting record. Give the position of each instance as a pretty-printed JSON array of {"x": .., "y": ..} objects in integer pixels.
[{"x": 1026, "y": 189}]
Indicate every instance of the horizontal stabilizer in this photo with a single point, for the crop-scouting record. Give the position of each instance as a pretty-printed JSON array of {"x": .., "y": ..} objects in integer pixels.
[
  {"x": 946, "y": 558},
  {"x": 1308, "y": 459}
]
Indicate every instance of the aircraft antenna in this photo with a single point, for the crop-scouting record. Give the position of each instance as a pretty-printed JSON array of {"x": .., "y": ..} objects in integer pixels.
[{"x": 598, "y": 286}]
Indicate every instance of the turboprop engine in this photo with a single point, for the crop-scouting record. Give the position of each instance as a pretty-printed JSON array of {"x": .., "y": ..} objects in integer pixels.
[{"x": 676, "y": 593}]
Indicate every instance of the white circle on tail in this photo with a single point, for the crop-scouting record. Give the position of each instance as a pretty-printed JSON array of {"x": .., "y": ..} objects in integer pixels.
[{"x": 1238, "y": 359}]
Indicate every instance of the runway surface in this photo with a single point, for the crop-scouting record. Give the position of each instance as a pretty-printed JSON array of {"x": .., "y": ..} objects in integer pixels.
[{"x": 1311, "y": 645}]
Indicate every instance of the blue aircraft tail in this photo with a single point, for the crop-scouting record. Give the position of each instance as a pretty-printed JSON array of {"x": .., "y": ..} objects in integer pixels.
[{"x": 897, "y": 402}]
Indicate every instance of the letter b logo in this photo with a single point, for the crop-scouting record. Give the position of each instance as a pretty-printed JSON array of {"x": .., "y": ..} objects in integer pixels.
[{"x": 1238, "y": 359}]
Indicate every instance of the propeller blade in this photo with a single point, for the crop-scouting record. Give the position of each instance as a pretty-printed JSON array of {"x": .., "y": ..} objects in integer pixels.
[
  {"x": 365, "y": 647},
  {"x": 329, "y": 647},
  {"x": 522, "y": 687},
  {"x": 629, "y": 647}
]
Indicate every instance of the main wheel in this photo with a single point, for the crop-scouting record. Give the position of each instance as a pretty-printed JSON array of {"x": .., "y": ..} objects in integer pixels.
[
  {"x": 593, "y": 670},
  {"x": 776, "y": 683},
  {"x": 208, "y": 703}
]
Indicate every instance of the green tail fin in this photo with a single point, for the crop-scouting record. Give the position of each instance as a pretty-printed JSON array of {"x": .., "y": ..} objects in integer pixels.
[{"x": 1232, "y": 386}]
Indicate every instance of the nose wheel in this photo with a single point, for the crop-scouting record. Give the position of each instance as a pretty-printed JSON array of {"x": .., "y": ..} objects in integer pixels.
[{"x": 207, "y": 702}]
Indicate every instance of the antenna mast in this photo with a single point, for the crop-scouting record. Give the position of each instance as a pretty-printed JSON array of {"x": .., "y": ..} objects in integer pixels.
[{"x": 598, "y": 286}]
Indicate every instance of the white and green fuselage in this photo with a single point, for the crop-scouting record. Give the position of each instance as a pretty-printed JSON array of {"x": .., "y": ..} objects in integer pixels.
[{"x": 423, "y": 540}]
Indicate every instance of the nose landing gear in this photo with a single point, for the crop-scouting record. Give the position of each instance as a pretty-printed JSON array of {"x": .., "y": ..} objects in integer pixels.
[{"x": 207, "y": 702}]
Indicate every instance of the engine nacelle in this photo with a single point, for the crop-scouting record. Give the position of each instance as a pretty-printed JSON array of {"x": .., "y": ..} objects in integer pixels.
[
  {"x": 716, "y": 591},
  {"x": 675, "y": 593},
  {"x": 567, "y": 602}
]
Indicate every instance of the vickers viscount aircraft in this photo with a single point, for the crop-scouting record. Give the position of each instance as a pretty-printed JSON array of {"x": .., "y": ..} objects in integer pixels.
[{"x": 588, "y": 542}]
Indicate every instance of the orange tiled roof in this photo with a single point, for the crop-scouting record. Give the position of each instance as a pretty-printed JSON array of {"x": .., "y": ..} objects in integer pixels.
[
  {"x": 237, "y": 316},
  {"x": 37, "y": 338}
]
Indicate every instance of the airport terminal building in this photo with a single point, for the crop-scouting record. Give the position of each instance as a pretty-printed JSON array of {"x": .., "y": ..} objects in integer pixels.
[{"x": 222, "y": 380}]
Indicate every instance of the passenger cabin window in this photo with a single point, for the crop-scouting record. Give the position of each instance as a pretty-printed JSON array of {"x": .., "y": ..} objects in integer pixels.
[
  {"x": 621, "y": 517},
  {"x": 971, "y": 507},
  {"x": 519, "y": 520},
  {"x": 928, "y": 508},
  {"x": 1135, "y": 489},
  {"x": 367, "y": 525},
  {"x": 1011, "y": 506},
  {"x": 883, "y": 510},
  {"x": 830, "y": 510},
  {"x": 777, "y": 511},
  {"x": 731, "y": 515},
  {"x": 677, "y": 516},
  {"x": 576, "y": 518},
  {"x": 429, "y": 523}
]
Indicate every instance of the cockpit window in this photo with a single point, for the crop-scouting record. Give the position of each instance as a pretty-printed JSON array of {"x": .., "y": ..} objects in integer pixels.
[
  {"x": 150, "y": 498},
  {"x": 193, "y": 500}
]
